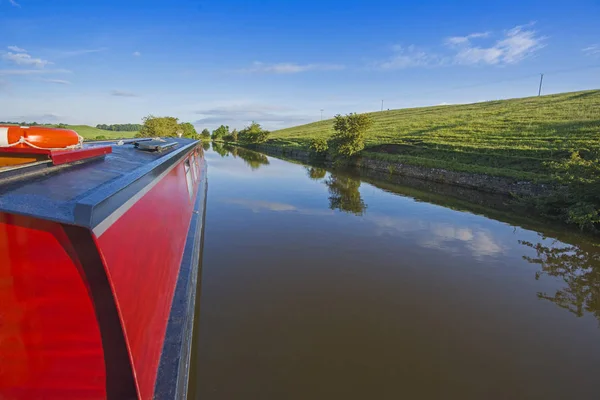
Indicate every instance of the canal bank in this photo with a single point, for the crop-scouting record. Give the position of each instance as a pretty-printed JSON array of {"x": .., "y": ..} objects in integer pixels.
[{"x": 485, "y": 183}]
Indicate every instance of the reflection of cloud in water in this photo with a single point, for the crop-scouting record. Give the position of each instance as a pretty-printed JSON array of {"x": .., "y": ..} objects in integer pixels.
[
  {"x": 259, "y": 205},
  {"x": 433, "y": 235},
  {"x": 442, "y": 236}
]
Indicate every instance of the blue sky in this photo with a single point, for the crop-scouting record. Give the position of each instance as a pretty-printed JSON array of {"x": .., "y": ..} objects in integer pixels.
[{"x": 281, "y": 62}]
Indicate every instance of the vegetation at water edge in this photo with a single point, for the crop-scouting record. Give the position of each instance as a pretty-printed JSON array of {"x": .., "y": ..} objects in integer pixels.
[{"x": 550, "y": 139}]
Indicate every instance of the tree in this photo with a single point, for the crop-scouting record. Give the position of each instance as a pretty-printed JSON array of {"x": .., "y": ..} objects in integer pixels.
[
  {"x": 253, "y": 133},
  {"x": 349, "y": 136},
  {"x": 159, "y": 127},
  {"x": 188, "y": 130},
  {"x": 205, "y": 134},
  {"x": 220, "y": 132},
  {"x": 234, "y": 135}
]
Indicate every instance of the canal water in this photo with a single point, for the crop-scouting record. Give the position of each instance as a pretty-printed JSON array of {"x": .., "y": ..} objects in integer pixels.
[{"x": 320, "y": 285}]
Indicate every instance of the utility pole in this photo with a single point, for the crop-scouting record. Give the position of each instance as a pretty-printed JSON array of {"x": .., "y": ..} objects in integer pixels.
[
  {"x": 381, "y": 105},
  {"x": 541, "y": 80},
  {"x": 321, "y": 114}
]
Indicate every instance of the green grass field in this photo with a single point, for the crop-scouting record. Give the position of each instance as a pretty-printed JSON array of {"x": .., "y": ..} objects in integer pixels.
[
  {"x": 512, "y": 138},
  {"x": 91, "y": 133}
]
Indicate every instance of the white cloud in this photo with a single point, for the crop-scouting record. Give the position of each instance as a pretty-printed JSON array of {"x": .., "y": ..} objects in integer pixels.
[
  {"x": 25, "y": 59},
  {"x": 57, "y": 81},
  {"x": 136, "y": 54},
  {"x": 457, "y": 40},
  {"x": 408, "y": 57},
  {"x": 122, "y": 93},
  {"x": 517, "y": 44},
  {"x": 14, "y": 3},
  {"x": 289, "y": 68},
  {"x": 5, "y": 72},
  {"x": 17, "y": 49},
  {"x": 440, "y": 236},
  {"x": 511, "y": 47},
  {"x": 592, "y": 51}
]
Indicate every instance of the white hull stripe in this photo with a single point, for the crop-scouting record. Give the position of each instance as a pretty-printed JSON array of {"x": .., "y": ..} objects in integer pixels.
[
  {"x": 119, "y": 212},
  {"x": 4, "y": 137}
]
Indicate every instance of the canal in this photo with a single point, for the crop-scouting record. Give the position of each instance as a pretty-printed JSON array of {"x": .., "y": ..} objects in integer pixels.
[{"x": 321, "y": 285}]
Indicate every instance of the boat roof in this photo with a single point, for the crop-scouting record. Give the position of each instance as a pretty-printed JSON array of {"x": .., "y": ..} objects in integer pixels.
[{"x": 85, "y": 193}]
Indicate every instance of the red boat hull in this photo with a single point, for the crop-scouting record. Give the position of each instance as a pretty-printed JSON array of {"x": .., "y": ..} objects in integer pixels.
[{"x": 84, "y": 312}]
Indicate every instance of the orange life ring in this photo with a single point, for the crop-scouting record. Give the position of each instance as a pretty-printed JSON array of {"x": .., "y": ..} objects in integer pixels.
[{"x": 36, "y": 136}]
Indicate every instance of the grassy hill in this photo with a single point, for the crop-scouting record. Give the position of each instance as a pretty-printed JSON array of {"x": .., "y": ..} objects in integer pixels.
[
  {"x": 90, "y": 133},
  {"x": 513, "y": 138}
]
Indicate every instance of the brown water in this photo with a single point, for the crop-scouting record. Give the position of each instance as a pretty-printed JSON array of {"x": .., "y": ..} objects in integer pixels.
[{"x": 316, "y": 285}]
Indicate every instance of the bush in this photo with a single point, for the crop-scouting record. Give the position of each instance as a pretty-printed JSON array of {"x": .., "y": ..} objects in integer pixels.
[
  {"x": 253, "y": 133},
  {"x": 349, "y": 136},
  {"x": 220, "y": 132},
  {"x": 578, "y": 202},
  {"x": 100, "y": 137},
  {"x": 319, "y": 145}
]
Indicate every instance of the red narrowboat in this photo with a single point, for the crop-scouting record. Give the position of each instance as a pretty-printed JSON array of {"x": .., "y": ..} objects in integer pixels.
[{"x": 100, "y": 251}]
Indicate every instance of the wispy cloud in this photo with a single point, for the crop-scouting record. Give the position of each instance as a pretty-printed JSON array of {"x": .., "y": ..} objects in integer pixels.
[
  {"x": 17, "y": 49},
  {"x": 240, "y": 115},
  {"x": 20, "y": 57},
  {"x": 517, "y": 44},
  {"x": 122, "y": 93},
  {"x": 510, "y": 47},
  {"x": 78, "y": 52},
  {"x": 408, "y": 57},
  {"x": 14, "y": 3},
  {"x": 457, "y": 40},
  {"x": 57, "y": 81},
  {"x": 5, "y": 72},
  {"x": 136, "y": 54},
  {"x": 592, "y": 51},
  {"x": 289, "y": 68}
]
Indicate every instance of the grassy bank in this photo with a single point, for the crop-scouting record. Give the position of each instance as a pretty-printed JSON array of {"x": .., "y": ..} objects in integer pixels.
[
  {"x": 511, "y": 138},
  {"x": 91, "y": 133},
  {"x": 549, "y": 139}
]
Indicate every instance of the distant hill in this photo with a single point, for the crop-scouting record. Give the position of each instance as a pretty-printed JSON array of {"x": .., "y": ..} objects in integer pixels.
[{"x": 514, "y": 138}]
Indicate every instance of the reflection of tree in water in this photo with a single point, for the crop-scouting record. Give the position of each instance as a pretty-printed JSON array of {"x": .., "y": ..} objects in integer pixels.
[
  {"x": 219, "y": 149},
  {"x": 253, "y": 159},
  {"x": 206, "y": 145},
  {"x": 578, "y": 267},
  {"x": 316, "y": 173},
  {"x": 344, "y": 194}
]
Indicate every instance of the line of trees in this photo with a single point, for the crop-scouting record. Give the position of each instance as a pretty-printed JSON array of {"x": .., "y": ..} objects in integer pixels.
[
  {"x": 23, "y": 123},
  {"x": 120, "y": 127},
  {"x": 166, "y": 127},
  {"x": 253, "y": 133}
]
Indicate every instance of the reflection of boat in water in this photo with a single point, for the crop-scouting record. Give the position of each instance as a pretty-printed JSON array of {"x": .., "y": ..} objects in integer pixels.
[{"x": 99, "y": 255}]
